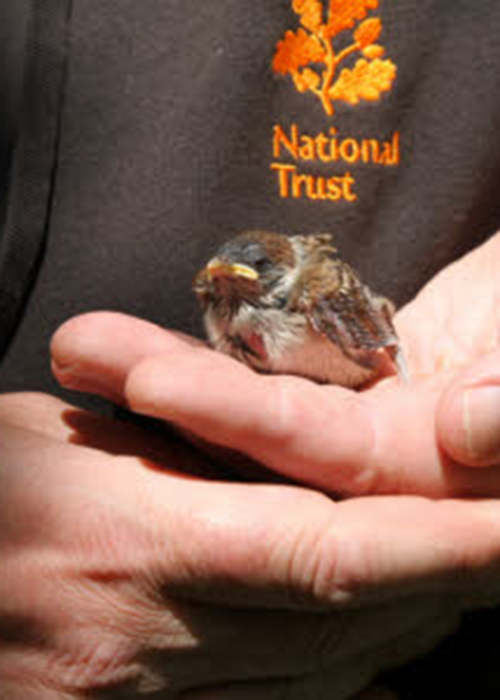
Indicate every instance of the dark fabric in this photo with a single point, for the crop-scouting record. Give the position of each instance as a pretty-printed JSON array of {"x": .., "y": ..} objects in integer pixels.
[
  {"x": 166, "y": 147},
  {"x": 163, "y": 148},
  {"x": 33, "y": 168},
  {"x": 14, "y": 16}
]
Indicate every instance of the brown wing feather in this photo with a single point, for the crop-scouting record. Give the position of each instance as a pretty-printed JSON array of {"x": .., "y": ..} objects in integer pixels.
[{"x": 346, "y": 310}]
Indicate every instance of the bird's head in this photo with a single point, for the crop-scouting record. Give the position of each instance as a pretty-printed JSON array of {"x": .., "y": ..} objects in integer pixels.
[{"x": 252, "y": 268}]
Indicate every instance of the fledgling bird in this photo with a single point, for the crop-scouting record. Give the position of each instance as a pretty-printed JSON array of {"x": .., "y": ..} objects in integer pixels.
[{"x": 291, "y": 305}]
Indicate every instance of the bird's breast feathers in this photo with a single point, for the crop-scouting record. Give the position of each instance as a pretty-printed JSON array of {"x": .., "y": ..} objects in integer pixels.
[{"x": 275, "y": 340}]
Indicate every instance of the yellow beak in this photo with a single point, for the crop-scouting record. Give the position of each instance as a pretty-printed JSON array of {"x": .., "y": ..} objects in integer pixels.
[{"x": 220, "y": 268}]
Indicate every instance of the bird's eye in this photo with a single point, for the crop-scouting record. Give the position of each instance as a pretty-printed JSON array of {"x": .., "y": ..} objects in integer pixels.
[{"x": 261, "y": 264}]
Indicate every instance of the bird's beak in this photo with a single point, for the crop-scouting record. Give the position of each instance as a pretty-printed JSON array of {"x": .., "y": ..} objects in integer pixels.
[{"x": 222, "y": 268}]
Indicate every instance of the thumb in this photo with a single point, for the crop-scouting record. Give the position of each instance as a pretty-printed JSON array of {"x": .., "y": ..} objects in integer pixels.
[{"x": 468, "y": 415}]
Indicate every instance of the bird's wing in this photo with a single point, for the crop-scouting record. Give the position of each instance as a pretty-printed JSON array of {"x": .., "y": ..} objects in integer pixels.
[{"x": 341, "y": 307}]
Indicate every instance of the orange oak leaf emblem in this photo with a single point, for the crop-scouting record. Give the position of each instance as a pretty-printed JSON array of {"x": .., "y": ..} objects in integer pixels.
[{"x": 309, "y": 54}]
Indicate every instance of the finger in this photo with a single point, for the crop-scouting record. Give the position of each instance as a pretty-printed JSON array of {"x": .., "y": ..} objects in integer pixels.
[
  {"x": 94, "y": 352},
  {"x": 197, "y": 539},
  {"x": 468, "y": 416},
  {"x": 311, "y": 433},
  {"x": 199, "y": 542},
  {"x": 253, "y": 545},
  {"x": 295, "y": 548},
  {"x": 380, "y": 441},
  {"x": 259, "y": 544}
]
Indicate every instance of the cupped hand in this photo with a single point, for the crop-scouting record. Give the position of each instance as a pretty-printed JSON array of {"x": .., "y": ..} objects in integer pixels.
[
  {"x": 418, "y": 438},
  {"x": 121, "y": 577}
]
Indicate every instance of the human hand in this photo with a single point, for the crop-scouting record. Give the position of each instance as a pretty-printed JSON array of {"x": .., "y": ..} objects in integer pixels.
[
  {"x": 122, "y": 577},
  {"x": 421, "y": 438}
]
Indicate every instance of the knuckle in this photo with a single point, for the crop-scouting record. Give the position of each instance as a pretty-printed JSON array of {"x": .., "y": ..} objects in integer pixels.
[
  {"x": 321, "y": 565},
  {"x": 311, "y": 550}
]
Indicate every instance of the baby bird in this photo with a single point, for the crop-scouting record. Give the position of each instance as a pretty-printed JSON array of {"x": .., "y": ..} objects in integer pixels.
[{"x": 291, "y": 305}]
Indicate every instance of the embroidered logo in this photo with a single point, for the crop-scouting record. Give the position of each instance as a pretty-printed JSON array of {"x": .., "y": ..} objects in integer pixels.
[
  {"x": 310, "y": 57},
  {"x": 336, "y": 55}
]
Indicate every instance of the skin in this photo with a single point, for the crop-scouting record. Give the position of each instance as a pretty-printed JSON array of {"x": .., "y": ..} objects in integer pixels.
[
  {"x": 121, "y": 578},
  {"x": 152, "y": 581},
  {"x": 392, "y": 438}
]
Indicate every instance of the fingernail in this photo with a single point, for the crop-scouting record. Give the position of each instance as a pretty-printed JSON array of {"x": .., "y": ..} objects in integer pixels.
[{"x": 482, "y": 422}]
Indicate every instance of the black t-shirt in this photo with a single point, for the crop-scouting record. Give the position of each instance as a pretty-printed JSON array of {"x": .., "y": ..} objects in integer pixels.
[
  {"x": 14, "y": 15},
  {"x": 152, "y": 131}
]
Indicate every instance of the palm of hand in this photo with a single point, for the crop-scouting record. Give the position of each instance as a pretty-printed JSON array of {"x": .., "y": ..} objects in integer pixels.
[
  {"x": 455, "y": 318},
  {"x": 386, "y": 439},
  {"x": 366, "y": 550},
  {"x": 324, "y": 435}
]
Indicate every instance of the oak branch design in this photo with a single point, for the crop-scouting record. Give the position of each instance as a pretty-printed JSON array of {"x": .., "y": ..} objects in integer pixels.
[{"x": 310, "y": 57}]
